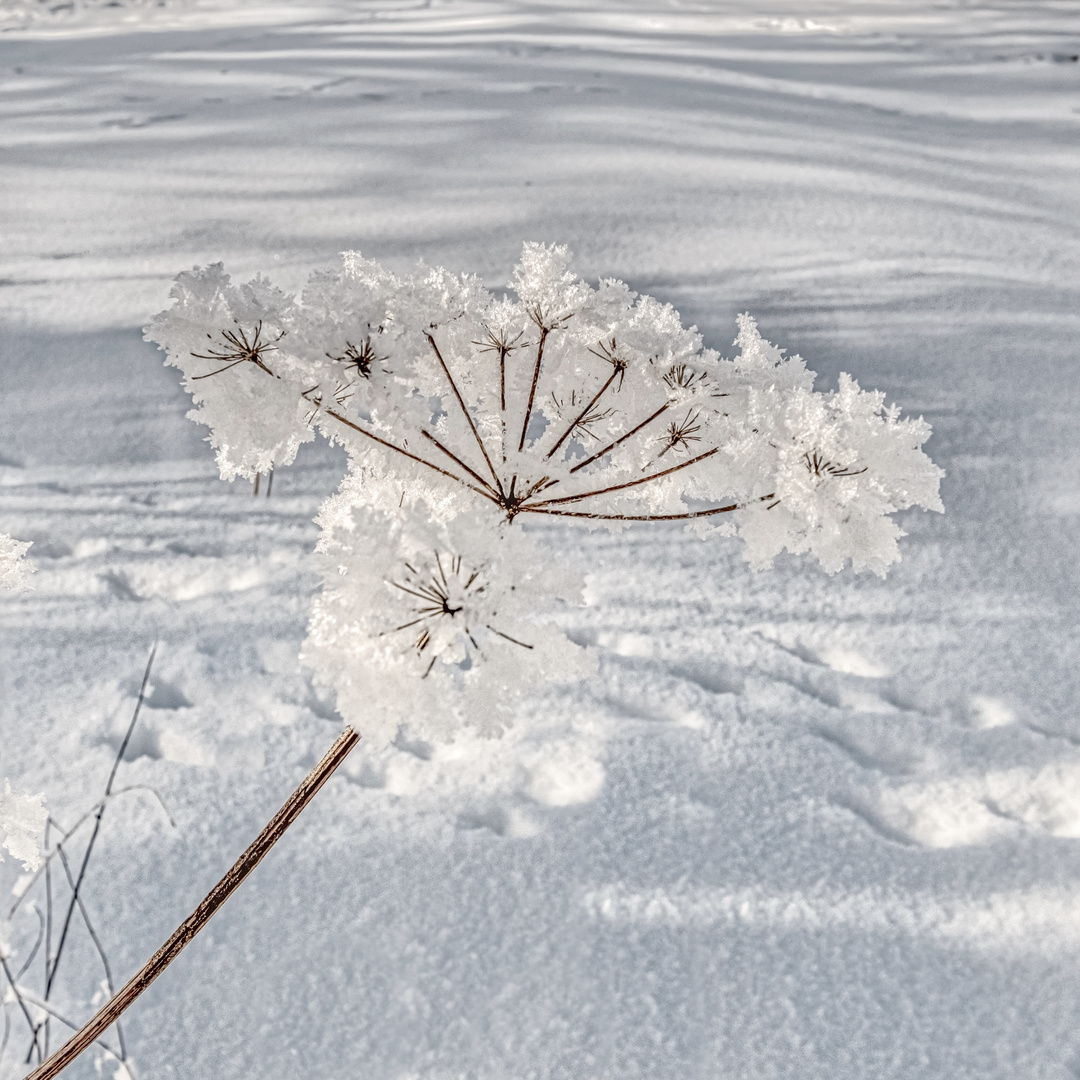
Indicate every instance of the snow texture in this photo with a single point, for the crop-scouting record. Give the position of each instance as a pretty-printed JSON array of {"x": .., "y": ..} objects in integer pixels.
[{"x": 794, "y": 825}]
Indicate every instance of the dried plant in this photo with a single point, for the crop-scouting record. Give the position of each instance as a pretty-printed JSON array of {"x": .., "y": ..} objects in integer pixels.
[
  {"x": 562, "y": 401},
  {"x": 235, "y": 348},
  {"x": 681, "y": 433},
  {"x": 358, "y": 359},
  {"x": 58, "y": 923}
]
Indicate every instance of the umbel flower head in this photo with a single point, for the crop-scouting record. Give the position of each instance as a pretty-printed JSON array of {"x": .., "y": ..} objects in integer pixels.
[
  {"x": 561, "y": 400},
  {"x": 434, "y": 623}
]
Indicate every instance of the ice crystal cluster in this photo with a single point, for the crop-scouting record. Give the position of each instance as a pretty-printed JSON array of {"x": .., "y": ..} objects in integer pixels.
[
  {"x": 22, "y": 817},
  {"x": 22, "y": 820},
  {"x": 15, "y": 567},
  {"x": 464, "y": 414}
]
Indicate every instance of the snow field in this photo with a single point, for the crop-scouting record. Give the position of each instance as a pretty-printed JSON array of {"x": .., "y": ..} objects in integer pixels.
[{"x": 797, "y": 826}]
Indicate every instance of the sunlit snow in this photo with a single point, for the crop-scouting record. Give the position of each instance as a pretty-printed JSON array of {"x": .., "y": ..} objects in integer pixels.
[{"x": 795, "y": 826}]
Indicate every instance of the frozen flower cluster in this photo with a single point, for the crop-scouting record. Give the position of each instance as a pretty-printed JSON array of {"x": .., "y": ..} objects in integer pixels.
[
  {"x": 464, "y": 413},
  {"x": 420, "y": 621}
]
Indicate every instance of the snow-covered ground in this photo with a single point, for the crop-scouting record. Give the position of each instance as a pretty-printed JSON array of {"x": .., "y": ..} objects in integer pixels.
[{"x": 798, "y": 827}]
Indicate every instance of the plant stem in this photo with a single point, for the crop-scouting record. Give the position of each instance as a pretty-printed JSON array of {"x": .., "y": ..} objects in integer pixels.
[
  {"x": 623, "y": 486},
  {"x": 67, "y": 1023},
  {"x": 202, "y": 914},
  {"x": 454, "y": 458},
  {"x": 389, "y": 445},
  {"x": 645, "y": 517},
  {"x": 630, "y": 517},
  {"x": 532, "y": 390},
  {"x": 22, "y": 1004},
  {"x": 621, "y": 438},
  {"x": 467, "y": 415},
  {"x": 584, "y": 412},
  {"x": 97, "y": 824},
  {"x": 100, "y": 951}
]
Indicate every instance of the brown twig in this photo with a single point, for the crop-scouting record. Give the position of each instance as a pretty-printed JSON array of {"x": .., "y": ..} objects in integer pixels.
[
  {"x": 544, "y": 331},
  {"x": 390, "y": 446},
  {"x": 457, "y": 461},
  {"x": 630, "y": 517},
  {"x": 626, "y": 484},
  {"x": 622, "y": 438},
  {"x": 646, "y": 517},
  {"x": 584, "y": 412},
  {"x": 503, "y": 345},
  {"x": 466, "y": 413},
  {"x": 203, "y": 913},
  {"x": 34, "y": 1028}
]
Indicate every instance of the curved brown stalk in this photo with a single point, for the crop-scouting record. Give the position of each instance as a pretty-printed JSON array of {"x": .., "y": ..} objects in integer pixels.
[
  {"x": 465, "y": 412},
  {"x": 625, "y": 485},
  {"x": 631, "y": 517},
  {"x": 187, "y": 930},
  {"x": 406, "y": 453}
]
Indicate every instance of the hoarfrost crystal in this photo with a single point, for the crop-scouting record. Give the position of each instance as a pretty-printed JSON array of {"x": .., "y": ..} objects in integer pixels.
[
  {"x": 435, "y": 623},
  {"x": 463, "y": 413},
  {"x": 22, "y": 820},
  {"x": 22, "y": 817},
  {"x": 15, "y": 567}
]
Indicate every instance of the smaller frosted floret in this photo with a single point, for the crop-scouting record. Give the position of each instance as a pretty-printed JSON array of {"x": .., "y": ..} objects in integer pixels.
[
  {"x": 843, "y": 463},
  {"x": 230, "y": 343},
  {"x": 424, "y": 623}
]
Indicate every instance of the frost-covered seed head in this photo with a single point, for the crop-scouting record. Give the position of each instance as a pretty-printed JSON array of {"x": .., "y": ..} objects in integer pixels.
[{"x": 561, "y": 400}]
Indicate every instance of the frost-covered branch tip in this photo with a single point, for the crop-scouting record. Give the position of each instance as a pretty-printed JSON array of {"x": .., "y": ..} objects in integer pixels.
[
  {"x": 22, "y": 817},
  {"x": 15, "y": 567},
  {"x": 22, "y": 821},
  {"x": 561, "y": 400}
]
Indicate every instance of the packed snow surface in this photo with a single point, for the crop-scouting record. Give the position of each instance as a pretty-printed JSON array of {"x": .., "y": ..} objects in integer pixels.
[{"x": 796, "y": 826}]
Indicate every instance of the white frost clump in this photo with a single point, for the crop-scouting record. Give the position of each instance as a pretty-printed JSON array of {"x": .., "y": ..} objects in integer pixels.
[
  {"x": 464, "y": 413},
  {"x": 409, "y": 628},
  {"x": 22, "y": 819},
  {"x": 15, "y": 567}
]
